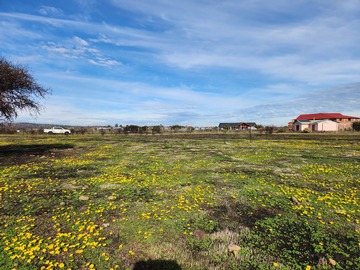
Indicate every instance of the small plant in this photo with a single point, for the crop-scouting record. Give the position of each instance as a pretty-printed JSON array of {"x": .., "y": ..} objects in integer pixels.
[
  {"x": 203, "y": 223},
  {"x": 196, "y": 244}
]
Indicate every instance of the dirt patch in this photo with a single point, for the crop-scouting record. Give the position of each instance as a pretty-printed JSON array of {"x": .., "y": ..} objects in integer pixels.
[
  {"x": 44, "y": 226},
  {"x": 236, "y": 215},
  {"x": 15, "y": 154}
]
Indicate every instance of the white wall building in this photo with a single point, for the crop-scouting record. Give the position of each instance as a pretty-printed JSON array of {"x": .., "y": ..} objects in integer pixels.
[
  {"x": 324, "y": 125},
  {"x": 316, "y": 125}
]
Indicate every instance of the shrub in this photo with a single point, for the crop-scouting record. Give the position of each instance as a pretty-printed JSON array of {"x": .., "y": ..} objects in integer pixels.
[
  {"x": 356, "y": 126},
  {"x": 269, "y": 129}
]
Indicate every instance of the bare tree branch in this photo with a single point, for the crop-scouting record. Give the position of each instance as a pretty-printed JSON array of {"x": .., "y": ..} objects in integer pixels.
[{"x": 18, "y": 91}]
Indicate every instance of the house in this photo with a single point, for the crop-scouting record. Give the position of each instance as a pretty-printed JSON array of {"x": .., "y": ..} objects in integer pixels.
[
  {"x": 324, "y": 122},
  {"x": 316, "y": 125},
  {"x": 238, "y": 126}
]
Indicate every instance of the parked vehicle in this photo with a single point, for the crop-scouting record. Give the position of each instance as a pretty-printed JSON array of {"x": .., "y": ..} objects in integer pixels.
[{"x": 57, "y": 130}]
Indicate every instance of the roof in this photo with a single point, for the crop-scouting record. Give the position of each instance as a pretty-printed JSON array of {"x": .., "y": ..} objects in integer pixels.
[
  {"x": 303, "y": 121},
  {"x": 251, "y": 124},
  {"x": 321, "y": 116},
  {"x": 323, "y": 121}
]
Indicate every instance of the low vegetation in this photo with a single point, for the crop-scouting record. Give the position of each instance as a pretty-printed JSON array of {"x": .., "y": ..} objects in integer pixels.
[{"x": 180, "y": 201}]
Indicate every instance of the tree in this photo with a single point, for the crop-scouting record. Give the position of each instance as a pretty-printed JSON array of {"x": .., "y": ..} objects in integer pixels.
[
  {"x": 131, "y": 129},
  {"x": 157, "y": 129},
  {"x": 18, "y": 91},
  {"x": 176, "y": 128},
  {"x": 269, "y": 129}
]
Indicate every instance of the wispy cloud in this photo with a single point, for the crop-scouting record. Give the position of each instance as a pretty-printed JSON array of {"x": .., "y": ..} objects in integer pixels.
[
  {"x": 78, "y": 48},
  {"x": 81, "y": 41},
  {"x": 47, "y": 10}
]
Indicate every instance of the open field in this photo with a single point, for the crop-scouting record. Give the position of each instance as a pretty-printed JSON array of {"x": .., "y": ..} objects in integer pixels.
[{"x": 286, "y": 201}]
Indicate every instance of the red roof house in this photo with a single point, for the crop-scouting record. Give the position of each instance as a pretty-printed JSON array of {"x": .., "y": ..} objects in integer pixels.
[{"x": 344, "y": 121}]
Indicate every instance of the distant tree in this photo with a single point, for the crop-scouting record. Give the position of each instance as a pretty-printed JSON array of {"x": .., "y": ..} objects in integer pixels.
[
  {"x": 157, "y": 129},
  {"x": 131, "y": 129},
  {"x": 176, "y": 128},
  {"x": 7, "y": 129},
  {"x": 226, "y": 128},
  {"x": 190, "y": 129},
  {"x": 143, "y": 130},
  {"x": 18, "y": 91},
  {"x": 119, "y": 130},
  {"x": 356, "y": 126},
  {"x": 82, "y": 130},
  {"x": 269, "y": 129}
]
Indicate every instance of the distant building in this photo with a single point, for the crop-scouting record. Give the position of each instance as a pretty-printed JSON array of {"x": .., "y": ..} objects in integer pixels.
[
  {"x": 238, "y": 126},
  {"x": 324, "y": 122}
]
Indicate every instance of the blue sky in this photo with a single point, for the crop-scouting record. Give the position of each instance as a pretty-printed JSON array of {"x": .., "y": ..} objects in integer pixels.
[{"x": 188, "y": 62}]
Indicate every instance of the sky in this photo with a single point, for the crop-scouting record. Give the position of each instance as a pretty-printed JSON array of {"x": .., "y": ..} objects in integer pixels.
[{"x": 188, "y": 62}]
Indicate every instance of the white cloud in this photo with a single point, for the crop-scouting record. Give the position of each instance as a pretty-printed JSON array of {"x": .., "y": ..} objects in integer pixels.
[
  {"x": 80, "y": 49},
  {"x": 47, "y": 10},
  {"x": 81, "y": 41},
  {"x": 56, "y": 22},
  {"x": 103, "y": 62}
]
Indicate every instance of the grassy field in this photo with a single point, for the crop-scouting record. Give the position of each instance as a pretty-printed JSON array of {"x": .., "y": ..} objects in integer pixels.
[{"x": 191, "y": 201}]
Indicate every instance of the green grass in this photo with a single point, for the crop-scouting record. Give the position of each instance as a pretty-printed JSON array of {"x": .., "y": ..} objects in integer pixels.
[{"x": 177, "y": 201}]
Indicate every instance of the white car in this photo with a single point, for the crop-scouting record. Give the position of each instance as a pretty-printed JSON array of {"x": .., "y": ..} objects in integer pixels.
[{"x": 57, "y": 130}]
